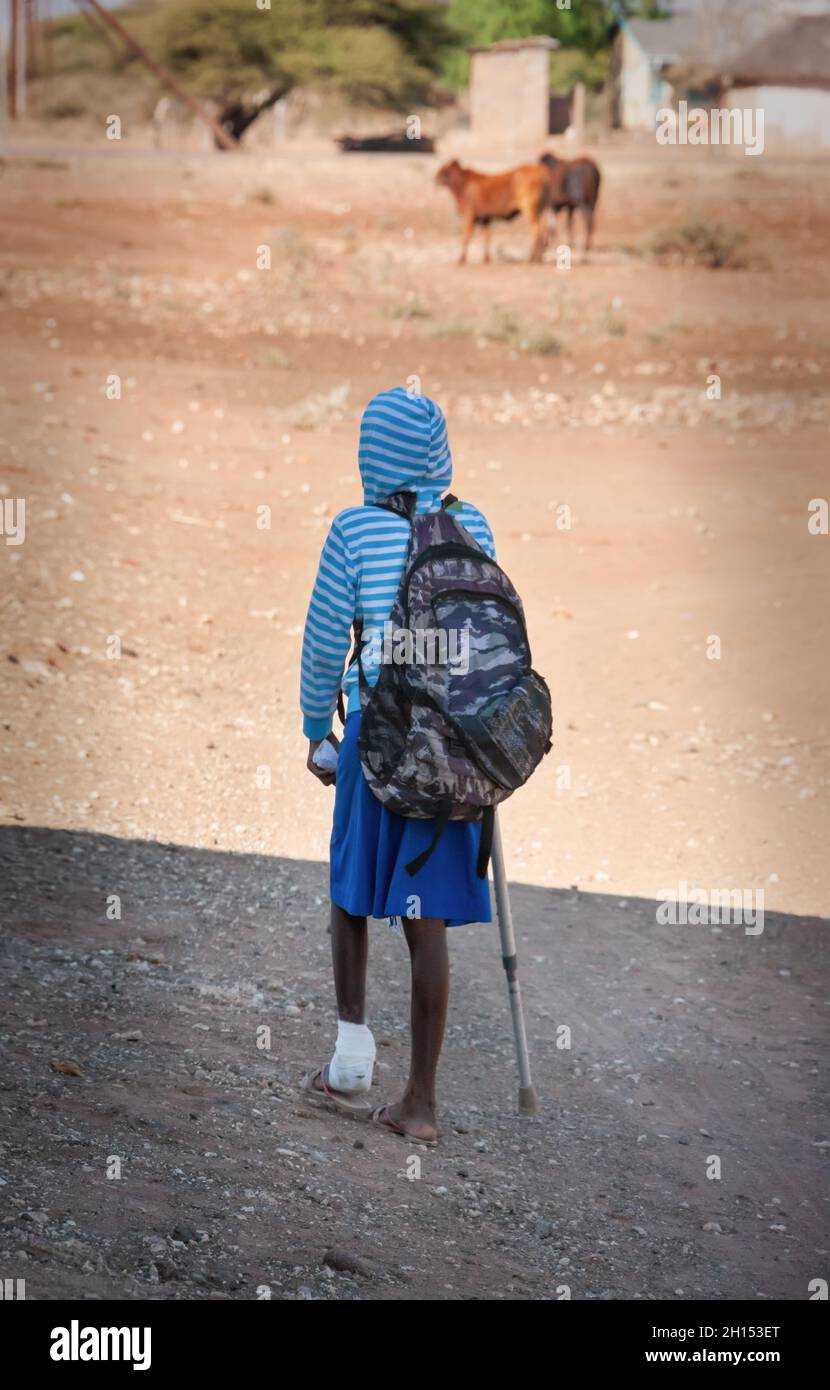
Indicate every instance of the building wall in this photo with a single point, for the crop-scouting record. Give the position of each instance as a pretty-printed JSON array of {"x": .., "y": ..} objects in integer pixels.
[
  {"x": 796, "y": 119},
  {"x": 642, "y": 92},
  {"x": 509, "y": 94}
]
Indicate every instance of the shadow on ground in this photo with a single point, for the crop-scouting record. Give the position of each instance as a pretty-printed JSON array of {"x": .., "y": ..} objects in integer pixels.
[{"x": 691, "y": 1049}]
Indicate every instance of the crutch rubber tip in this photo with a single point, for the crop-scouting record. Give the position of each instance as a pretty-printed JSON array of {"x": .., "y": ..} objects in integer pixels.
[{"x": 527, "y": 1100}]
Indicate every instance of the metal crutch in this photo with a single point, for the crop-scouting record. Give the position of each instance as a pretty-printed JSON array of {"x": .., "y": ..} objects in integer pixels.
[{"x": 527, "y": 1094}]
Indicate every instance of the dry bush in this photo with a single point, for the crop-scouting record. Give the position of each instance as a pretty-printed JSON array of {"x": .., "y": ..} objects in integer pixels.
[{"x": 698, "y": 242}]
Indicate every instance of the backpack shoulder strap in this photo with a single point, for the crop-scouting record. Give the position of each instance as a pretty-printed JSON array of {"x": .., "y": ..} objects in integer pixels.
[
  {"x": 401, "y": 503},
  {"x": 357, "y": 629}
]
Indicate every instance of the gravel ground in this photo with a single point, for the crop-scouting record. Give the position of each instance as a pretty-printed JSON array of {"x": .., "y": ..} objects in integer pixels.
[{"x": 685, "y": 1043}]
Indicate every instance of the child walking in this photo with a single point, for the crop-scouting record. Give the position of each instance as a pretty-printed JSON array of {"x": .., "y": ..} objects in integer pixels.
[{"x": 403, "y": 446}]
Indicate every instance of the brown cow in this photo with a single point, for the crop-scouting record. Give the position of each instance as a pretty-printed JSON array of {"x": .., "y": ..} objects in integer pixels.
[
  {"x": 481, "y": 198},
  {"x": 574, "y": 185}
]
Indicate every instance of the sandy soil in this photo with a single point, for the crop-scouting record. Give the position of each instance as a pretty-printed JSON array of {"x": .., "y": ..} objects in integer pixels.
[{"x": 173, "y": 774}]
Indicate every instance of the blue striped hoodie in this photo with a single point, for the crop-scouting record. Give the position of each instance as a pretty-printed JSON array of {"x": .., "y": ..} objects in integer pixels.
[{"x": 403, "y": 444}]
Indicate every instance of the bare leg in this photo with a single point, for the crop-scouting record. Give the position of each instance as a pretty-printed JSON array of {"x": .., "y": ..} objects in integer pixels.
[
  {"x": 349, "y": 954},
  {"x": 426, "y": 938}
]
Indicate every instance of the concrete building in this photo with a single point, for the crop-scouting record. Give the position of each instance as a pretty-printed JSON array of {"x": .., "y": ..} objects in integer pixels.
[
  {"x": 510, "y": 92},
  {"x": 655, "y": 62},
  {"x": 787, "y": 77},
  {"x": 644, "y": 51}
]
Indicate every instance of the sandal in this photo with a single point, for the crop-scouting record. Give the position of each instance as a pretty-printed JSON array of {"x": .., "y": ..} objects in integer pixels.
[
  {"x": 325, "y": 1095},
  {"x": 395, "y": 1128}
]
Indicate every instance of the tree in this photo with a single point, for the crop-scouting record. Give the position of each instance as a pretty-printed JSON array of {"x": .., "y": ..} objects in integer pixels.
[
  {"x": 383, "y": 52},
  {"x": 583, "y": 25}
]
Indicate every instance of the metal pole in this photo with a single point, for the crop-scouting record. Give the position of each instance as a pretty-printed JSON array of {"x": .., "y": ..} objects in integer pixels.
[
  {"x": 5, "y": 68},
  {"x": 20, "y": 61},
  {"x": 10, "y": 82},
  {"x": 527, "y": 1094}
]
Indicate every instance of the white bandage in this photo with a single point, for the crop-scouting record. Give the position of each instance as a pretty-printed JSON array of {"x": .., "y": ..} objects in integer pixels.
[{"x": 351, "y": 1067}]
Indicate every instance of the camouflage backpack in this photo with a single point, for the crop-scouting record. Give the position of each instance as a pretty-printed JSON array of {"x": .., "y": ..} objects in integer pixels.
[{"x": 458, "y": 719}]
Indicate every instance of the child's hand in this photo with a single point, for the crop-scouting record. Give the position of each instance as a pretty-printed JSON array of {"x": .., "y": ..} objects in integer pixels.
[{"x": 323, "y": 775}]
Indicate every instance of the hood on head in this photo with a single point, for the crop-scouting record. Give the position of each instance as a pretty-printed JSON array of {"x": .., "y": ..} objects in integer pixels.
[{"x": 403, "y": 445}]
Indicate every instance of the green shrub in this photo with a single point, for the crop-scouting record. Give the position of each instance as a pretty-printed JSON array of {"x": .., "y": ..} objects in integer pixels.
[
  {"x": 698, "y": 241},
  {"x": 502, "y": 326},
  {"x": 542, "y": 342},
  {"x": 273, "y": 358},
  {"x": 408, "y": 309},
  {"x": 451, "y": 328}
]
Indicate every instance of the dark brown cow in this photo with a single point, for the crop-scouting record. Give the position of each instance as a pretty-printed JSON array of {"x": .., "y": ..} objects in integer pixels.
[
  {"x": 482, "y": 198},
  {"x": 574, "y": 185}
]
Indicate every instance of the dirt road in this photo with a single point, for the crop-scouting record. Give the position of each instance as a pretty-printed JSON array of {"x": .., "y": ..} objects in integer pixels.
[
  {"x": 166, "y": 399},
  {"x": 685, "y": 1046}
]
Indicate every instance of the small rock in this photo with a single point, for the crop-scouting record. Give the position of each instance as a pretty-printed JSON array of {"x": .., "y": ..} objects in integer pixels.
[
  {"x": 37, "y": 1218},
  {"x": 346, "y": 1261},
  {"x": 65, "y": 1068}
]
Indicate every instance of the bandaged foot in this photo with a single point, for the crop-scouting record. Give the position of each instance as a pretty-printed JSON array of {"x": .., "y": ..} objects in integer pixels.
[{"x": 351, "y": 1067}]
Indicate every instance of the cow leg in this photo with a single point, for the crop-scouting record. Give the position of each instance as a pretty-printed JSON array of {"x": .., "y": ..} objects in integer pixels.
[
  {"x": 570, "y": 228},
  {"x": 544, "y": 230},
  {"x": 487, "y": 230},
  {"x": 535, "y": 217},
  {"x": 589, "y": 227},
  {"x": 540, "y": 240},
  {"x": 466, "y": 234}
]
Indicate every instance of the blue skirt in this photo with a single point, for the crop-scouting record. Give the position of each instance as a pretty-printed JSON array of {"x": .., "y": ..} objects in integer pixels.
[{"x": 370, "y": 848}]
